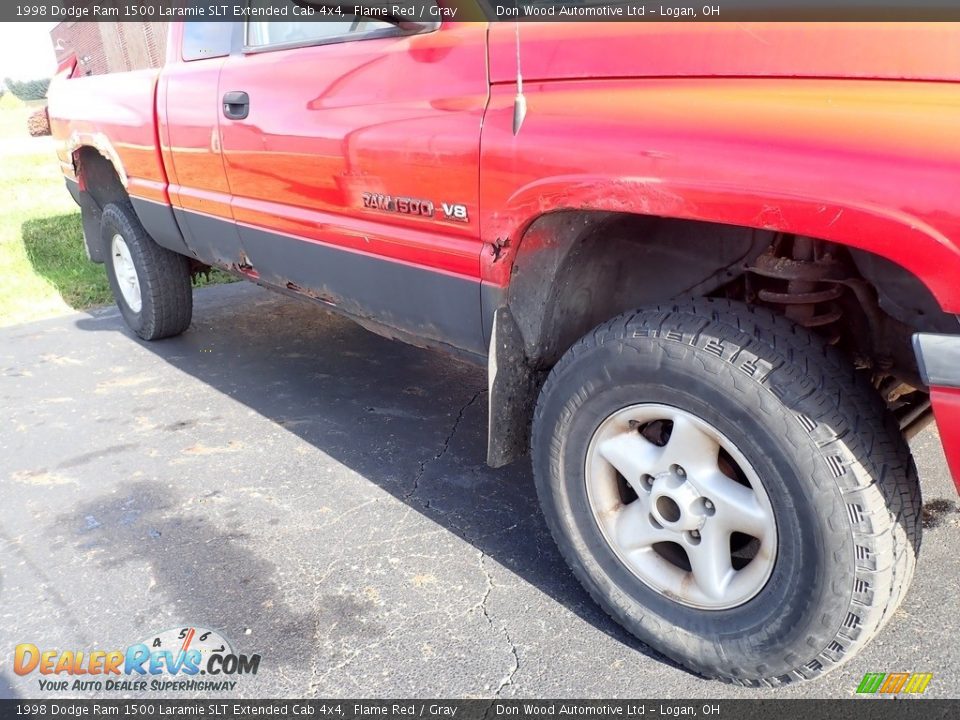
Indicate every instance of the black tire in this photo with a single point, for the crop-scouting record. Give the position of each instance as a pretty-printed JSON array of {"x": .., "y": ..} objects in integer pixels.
[
  {"x": 166, "y": 293},
  {"x": 839, "y": 476}
]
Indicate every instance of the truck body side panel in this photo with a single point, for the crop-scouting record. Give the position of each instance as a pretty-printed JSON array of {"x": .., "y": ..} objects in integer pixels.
[
  {"x": 946, "y": 408},
  {"x": 340, "y": 175},
  {"x": 866, "y": 50},
  {"x": 869, "y": 164},
  {"x": 116, "y": 115},
  {"x": 845, "y": 132},
  {"x": 189, "y": 131}
]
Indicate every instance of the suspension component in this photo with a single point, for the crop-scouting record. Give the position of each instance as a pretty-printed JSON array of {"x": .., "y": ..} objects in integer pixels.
[
  {"x": 811, "y": 281},
  {"x": 818, "y": 288}
]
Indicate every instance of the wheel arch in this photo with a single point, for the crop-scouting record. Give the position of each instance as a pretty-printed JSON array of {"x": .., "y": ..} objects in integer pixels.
[
  {"x": 571, "y": 270},
  {"x": 87, "y": 146},
  {"x": 99, "y": 184},
  {"x": 899, "y": 236},
  {"x": 576, "y": 269}
]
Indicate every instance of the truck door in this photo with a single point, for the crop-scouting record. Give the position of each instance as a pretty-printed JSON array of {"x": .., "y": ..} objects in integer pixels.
[
  {"x": 188, "y": 121},
  {"x": 352, "y": 154}
]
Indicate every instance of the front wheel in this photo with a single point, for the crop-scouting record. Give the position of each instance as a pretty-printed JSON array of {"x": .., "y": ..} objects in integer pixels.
[
  {"x": 151, "y": 285},
  {"x": 727, "y": 488}
]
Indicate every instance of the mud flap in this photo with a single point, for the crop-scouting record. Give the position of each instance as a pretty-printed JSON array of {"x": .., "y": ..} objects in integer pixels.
[
  {"x": 90, "y": 214},
  {"x": 513, "y": 387}
]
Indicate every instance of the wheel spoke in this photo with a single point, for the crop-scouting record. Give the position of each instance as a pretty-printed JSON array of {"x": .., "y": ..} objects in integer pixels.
[
  {"x": 737, "y": 508},
  {"x": 126, "y": 273},
  {"x": 632, "y": 455},
  {"x": 633, "y": 529},
  {"x": 684, "y": 499},
  {"x": 710, "y": 562},
  {"x": 689, "y": 447}
]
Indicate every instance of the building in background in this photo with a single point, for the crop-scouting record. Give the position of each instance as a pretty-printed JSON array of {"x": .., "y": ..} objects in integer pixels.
[{"x": 106, "y": 47}]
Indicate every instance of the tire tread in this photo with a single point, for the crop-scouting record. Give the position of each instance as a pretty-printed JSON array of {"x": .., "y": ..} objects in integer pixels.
[{"x": 850, "y": 420}]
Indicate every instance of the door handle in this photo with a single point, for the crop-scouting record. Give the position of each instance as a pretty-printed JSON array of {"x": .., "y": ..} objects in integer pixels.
[{"x": 236, "y": 105}]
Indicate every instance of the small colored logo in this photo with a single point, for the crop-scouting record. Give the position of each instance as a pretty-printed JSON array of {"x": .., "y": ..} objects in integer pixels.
[
  {"x": 168, "y": 661},
  {"x": 893, "y": 683}
]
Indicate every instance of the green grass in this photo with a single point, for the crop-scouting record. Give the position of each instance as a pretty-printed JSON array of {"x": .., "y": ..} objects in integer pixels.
[{"x": 43, "y": 265}]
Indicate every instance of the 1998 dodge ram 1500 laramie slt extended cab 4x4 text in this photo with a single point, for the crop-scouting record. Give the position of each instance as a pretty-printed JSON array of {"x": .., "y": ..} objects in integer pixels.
[{"x": 713, "y": 269}]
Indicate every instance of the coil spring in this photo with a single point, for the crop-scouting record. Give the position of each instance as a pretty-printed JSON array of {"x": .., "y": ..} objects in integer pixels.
[{"x": 813, "y": 283}]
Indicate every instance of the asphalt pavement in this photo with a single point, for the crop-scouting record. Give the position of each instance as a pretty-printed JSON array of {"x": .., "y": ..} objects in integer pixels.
[{"x": 318, "y": 495}]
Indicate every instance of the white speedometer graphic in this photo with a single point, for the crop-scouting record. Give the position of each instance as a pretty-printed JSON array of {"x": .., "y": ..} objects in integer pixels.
[{"x": 181, "y": 640}]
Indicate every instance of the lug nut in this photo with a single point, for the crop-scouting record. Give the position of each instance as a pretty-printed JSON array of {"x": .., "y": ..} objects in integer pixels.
[
  {"x": 695, "y": 533},
  {"x": 708, "y": 505},
  {"x": 681, "y": 472}
]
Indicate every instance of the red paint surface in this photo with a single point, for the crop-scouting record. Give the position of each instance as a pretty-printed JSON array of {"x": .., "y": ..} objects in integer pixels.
[
  {"x": 120, "y": 108},
  {"x": 863, "y": 163},
  {"x": 189, "y": 113},
  {"x": 946, "y": 409},
  {"x": 914, "y": 51},
  {"x": 714, "y": 124},
  {"x": 398, "y": 116}
]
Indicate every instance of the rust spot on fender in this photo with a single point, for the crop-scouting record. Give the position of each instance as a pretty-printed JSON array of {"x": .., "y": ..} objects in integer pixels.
[{"x": 498, "y": 246}]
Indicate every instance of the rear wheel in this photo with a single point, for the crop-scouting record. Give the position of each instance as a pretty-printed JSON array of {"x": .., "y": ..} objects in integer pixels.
[
  {"x": 728, "y": 489},
  {"x": 150, "y": 284}
]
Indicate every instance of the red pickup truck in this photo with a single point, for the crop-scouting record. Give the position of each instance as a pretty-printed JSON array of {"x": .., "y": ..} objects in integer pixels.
[{"x": 713, "y": 269}]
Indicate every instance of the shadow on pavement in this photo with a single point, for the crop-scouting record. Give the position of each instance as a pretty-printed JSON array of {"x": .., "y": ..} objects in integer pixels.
[
  {"x": 222, "y": 573},
  {"x": 409, "y": 420}
]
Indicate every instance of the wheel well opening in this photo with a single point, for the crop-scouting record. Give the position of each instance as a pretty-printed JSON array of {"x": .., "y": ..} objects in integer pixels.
[
  {"x": 577, "y": 269},
  {"x": 98, "y": 177},
  {"x": 99, "y": 186}
]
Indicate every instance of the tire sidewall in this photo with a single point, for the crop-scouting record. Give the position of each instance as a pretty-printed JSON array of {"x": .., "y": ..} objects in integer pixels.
[
  {"x": 814, "y": 568},
  {"x": 114, "y": 223}
]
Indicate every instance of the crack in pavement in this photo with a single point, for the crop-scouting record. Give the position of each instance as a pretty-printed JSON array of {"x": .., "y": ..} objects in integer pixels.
[
  {"x": 443, "y": 450},
  {"x": 319, "y": 678},
  {"x": 313, "y": 686},
  {"x": 507, "y": 679}
]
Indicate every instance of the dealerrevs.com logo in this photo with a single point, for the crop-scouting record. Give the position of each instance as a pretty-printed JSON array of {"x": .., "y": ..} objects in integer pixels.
[{"x": 171, "y": 661}]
